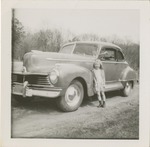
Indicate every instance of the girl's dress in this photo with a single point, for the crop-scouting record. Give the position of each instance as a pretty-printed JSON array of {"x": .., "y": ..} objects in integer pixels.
[{"x": 99, "y": 80}]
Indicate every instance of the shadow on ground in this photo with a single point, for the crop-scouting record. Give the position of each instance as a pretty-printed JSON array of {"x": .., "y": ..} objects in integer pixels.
[
  {"x": 38, "y": 104},
  {"x": 109, "y": 95},
  {"x": 44, "y": 105}
]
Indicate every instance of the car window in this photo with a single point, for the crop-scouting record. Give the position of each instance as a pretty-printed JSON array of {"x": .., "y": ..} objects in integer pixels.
[
  {"x": 120, "y": 56},
  {"x": 67, "y": 49},
  {"x": 86, "y": 49},
  {"x": 108, "y": 54}
]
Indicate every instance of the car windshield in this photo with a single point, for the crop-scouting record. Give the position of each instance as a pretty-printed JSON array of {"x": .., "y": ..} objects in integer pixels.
[
  {"x": 86, "y": 49},
  {"x": 67, "y": 49}
]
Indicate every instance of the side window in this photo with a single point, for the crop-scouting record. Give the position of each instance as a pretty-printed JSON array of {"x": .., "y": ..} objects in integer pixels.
[
  {"x": 108, "y": 54},
  {"x": 120, "y": 56}
]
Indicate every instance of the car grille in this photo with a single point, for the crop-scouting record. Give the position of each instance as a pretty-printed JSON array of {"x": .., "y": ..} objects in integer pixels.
[{"x": 32, "y": 79}]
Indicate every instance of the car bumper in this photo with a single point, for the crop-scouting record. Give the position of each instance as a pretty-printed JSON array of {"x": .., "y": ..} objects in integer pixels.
[{"x": 26, "y": 90}]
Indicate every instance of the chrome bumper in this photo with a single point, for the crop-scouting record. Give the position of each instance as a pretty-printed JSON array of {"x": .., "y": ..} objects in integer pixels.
[{"x": 26, "y": 90}]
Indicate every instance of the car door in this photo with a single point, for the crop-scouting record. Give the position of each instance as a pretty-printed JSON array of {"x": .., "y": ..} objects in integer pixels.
[
  {"x": 121, "y": 64},
  {"x": 109, "y": 63}
]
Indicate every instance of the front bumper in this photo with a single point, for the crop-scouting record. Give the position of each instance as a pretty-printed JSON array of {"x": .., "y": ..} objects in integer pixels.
[{"x": 27, "y": 90}]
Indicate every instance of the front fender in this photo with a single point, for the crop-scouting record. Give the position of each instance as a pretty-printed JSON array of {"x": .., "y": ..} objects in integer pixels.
[
  {"x": 69, "y": 72},
  {"x": 128, "y": 74}
]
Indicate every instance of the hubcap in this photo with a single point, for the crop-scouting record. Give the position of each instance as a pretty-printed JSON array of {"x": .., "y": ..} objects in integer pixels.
[
  {"x": 73, "y": 95},
  {"x": 128, "y": 87}
]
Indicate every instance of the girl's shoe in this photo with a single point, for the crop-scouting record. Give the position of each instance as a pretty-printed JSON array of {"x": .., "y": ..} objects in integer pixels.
[
  {"x": 100, "y": 104},
  {"x": 104, "y": 104}
]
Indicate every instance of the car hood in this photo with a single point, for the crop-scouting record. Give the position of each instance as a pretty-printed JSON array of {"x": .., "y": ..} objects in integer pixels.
[{"x": 44, "y": 61}]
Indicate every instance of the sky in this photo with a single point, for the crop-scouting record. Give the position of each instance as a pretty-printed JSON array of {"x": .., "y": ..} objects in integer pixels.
[{"x": 122, "y": 23}]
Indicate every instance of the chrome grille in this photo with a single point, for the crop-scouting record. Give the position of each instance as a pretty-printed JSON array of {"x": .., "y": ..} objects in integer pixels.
[
  {"x": 41, "y": 80},
  {"x": 17, "y": 78},
  {"x": 32, "y": 79}
]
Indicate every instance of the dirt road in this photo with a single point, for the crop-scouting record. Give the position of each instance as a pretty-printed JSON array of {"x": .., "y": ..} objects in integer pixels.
[{"x": 42, "y": 119}]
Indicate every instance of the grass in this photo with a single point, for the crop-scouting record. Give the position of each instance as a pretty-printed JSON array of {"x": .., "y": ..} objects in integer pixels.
[
  {"x": 105, "y": 124},
  {"x": 125, "y": 125},
  {"x": 108, "y": 123}
]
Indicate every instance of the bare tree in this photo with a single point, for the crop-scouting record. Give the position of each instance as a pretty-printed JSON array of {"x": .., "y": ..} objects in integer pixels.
[{"x": 17, "y": 35}]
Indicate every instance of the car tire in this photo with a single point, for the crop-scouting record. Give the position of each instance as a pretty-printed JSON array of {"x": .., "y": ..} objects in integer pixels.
[
  {"x": 73, "y": 97},
  {"x": 21, "y": 99},
  {"x": 128, "y": 86}
]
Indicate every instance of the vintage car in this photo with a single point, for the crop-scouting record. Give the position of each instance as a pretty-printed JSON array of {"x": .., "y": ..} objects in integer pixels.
[{"x": 67, "y": 75}]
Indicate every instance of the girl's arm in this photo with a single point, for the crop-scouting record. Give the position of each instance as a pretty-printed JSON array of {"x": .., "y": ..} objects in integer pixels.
[
  {"x": 94, "y": 78},
  {"x": 103, "y": 77},
  {"x": 95, "y": 81}
]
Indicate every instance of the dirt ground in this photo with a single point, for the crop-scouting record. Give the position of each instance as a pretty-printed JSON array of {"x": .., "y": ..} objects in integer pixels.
[{"x": 42, "y": 119}]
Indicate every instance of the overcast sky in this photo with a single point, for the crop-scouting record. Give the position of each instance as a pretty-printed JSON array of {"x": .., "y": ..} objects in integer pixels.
[{"x": 123, "y": 23}]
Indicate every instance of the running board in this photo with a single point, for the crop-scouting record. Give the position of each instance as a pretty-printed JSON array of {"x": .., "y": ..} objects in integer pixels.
[{"x": 113, "y": 86}]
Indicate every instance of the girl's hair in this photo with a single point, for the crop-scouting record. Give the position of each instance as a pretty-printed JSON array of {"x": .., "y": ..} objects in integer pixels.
[{"x": 97, "y": 61}]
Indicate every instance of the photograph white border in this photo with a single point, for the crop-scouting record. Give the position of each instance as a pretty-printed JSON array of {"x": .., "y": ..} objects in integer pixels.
[{"x": 144, "y": 132}]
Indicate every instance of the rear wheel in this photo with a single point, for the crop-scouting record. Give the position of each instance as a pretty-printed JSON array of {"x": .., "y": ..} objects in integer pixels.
[
  {"x": 73, "y": 97},
  {"x": 127, "y": 88}
]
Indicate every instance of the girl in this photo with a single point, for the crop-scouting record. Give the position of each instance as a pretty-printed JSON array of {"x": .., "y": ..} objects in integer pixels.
[{"x": 99, "y": 82}]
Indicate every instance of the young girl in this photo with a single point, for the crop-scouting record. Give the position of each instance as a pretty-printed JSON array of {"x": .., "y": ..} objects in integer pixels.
[{"x": 99, "y": 82}]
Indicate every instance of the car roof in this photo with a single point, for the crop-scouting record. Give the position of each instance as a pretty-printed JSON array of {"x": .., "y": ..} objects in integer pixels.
[{"x": 102, "y": 44}]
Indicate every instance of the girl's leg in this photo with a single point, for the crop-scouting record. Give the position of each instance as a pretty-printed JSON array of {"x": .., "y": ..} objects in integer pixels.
[
  {"x": 103, "y": 98},
  {"x": 99, "y": 99},
  {"x": 99, "y": 96}
]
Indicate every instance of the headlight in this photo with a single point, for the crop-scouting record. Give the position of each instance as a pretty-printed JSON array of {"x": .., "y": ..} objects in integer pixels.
[{"x": 53, "y": 76}]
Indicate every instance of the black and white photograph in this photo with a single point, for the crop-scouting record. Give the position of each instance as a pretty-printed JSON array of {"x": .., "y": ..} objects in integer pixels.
[
  {"x": 75, "y": 74},
  {"x": 85, "y": 62}
]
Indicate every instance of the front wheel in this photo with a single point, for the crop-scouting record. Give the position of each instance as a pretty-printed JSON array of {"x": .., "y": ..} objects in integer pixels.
[
  {"x": 127, "y": 88},
  {"x": 73, "y": 97}
]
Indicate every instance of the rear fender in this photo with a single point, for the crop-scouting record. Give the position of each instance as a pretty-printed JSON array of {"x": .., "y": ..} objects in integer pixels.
[{"x": 128, "y": 74}]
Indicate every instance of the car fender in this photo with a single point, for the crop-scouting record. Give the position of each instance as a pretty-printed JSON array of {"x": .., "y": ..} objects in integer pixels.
[
  {"x": 128, "y": 74},
  {"x": 69, "y": 72}
]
